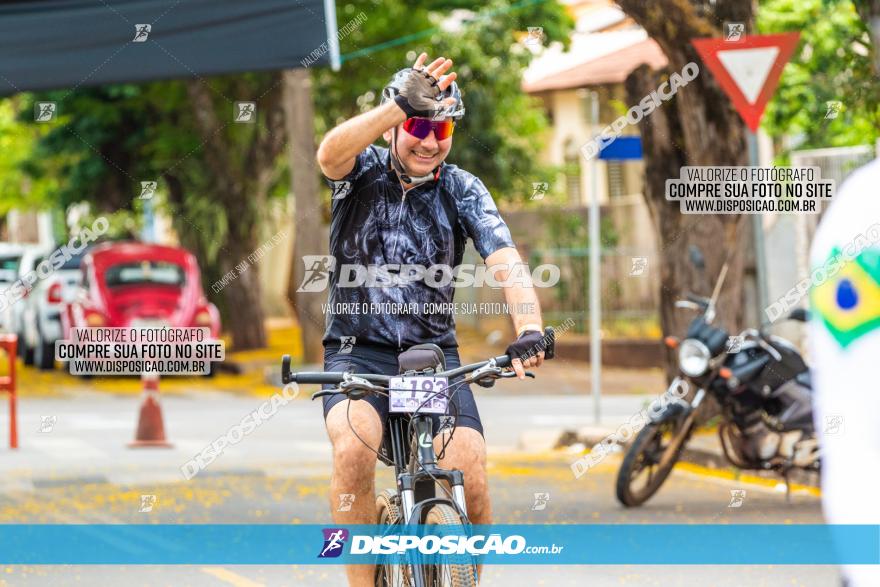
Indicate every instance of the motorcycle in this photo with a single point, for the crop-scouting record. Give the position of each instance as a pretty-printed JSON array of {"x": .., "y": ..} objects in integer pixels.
[{"x": 762, "y": 385}]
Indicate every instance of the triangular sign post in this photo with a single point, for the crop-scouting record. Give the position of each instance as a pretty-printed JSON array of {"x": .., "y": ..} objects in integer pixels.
[{"x": 748, "y": 69}]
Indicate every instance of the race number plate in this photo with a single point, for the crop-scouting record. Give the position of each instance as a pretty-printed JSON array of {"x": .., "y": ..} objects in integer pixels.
[{"x": 426, "y": 395}]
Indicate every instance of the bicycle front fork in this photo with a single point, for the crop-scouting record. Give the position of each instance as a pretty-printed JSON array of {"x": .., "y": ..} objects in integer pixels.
[{"x": 417, "y": 489}]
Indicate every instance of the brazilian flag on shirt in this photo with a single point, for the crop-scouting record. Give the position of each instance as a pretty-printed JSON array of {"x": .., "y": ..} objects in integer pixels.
[{"x": 849, "y": 302}]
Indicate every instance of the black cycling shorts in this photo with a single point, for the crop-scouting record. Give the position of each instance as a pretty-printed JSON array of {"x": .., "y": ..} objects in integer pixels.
[{"x": 383, "y": 361}]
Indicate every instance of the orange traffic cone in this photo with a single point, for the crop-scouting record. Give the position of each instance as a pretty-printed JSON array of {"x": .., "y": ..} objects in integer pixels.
[{"x": 150, "y": 429}]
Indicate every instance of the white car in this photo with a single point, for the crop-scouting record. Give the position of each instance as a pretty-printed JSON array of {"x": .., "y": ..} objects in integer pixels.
[
  {"x": 16, "y": 297},
  {"x": 41, "y": 312},
  {"x": 10, "y": 256}
]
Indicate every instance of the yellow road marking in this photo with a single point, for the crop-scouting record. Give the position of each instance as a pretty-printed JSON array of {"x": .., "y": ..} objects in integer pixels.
[
  {"x": 511, "y": 463},
  {"x": 744, "y": 478},
  {"x": 230, "y": 577}
]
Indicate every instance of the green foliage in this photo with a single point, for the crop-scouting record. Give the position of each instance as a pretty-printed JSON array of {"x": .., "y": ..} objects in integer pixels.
[
  {"x": 17, "y": 141},
  {"x": 833, "y": 65},
  {"x": 92, "y": 145},
  {"x": 108, "y": 139}
]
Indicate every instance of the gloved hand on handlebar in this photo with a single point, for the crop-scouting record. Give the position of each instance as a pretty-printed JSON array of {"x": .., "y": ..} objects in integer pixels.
[{"x": 527, "y": 351}]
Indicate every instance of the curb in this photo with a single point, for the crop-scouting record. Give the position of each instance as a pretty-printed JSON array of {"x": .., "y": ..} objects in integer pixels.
[{"x": 709, "y": 455}]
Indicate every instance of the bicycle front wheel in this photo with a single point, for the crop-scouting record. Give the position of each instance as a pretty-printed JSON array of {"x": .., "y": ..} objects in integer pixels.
[
  {"x": 455, "y": 572},
  {"x": 390, "y": 575}
]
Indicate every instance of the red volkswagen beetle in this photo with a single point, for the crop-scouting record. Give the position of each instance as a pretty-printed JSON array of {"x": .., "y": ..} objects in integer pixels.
[{"x": 138, "y": 284}]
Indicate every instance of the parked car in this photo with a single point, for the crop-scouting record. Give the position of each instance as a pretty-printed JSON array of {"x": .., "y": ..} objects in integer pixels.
[
  {"x": 127, "y": 284},
  {"x": 20, "y": 290},
  {"x": 10, "y": 256},
  {"x": 41, "y": 310}
]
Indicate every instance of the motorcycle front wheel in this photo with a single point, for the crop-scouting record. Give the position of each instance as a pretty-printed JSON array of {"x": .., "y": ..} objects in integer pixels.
[{"x": 650, "y": 459}]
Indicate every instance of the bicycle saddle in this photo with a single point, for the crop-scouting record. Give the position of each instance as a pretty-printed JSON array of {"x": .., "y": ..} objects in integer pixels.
[{"x": 420, "y": 357}]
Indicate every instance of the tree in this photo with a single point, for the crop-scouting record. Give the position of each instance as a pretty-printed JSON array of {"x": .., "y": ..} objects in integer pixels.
[
  {"x": 17, "y": 188},
  {"x": 697, "y": 127},
  {"x": 829, "y": 97},
  {"x": 240, "y": 179},
  {"x": 869, "y": 10}
]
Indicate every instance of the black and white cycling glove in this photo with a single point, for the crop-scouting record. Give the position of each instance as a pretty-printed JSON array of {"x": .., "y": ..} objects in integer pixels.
[
  {"x": 528, "y": 344},
  {"x": 419, "y": 94}
]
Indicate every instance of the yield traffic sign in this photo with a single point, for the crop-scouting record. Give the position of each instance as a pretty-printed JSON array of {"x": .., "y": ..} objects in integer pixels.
[{"x": 748, "y": 70}]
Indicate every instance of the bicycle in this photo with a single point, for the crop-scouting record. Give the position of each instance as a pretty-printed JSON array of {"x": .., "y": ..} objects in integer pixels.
[{"x": 423, "y": 387}]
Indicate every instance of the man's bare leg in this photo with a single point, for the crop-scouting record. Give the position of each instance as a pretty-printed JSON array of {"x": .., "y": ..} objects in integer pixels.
[
  {"x": 354, "y": 470},
  {"x": 467, "y": 453}
]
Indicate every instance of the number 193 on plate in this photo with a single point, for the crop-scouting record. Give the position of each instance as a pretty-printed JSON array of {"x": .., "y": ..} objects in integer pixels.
[{"x": 418, "y": 393}]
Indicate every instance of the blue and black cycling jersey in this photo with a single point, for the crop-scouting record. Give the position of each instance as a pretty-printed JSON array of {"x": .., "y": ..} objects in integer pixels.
[{"x": 373, "y": 223}]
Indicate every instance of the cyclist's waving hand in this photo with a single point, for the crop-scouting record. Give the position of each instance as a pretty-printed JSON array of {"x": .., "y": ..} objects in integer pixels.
[{"x": 419, "y": 88}]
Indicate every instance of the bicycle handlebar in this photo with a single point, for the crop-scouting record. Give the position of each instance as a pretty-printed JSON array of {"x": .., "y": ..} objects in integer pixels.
[{"x": 324, "y": 378}]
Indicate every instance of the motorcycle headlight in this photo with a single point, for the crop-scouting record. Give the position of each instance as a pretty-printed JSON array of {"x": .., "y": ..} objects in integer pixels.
[{"x": 693, "y": 357}]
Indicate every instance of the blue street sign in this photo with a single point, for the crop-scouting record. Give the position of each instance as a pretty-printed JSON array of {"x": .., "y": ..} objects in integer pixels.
[{"x": 625, "y": 148}]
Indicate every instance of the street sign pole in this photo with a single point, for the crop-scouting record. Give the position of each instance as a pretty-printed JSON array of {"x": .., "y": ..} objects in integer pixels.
[
  {"x": 595, "y": 308},
  {"x": 627, "y": 148},
  {"x": 758, "y": 229}
]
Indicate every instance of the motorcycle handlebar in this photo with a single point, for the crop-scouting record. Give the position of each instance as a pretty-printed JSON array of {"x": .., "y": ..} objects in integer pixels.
[
  {"x": 697, "y": 299},
  {"x": 749, "y": 370}
]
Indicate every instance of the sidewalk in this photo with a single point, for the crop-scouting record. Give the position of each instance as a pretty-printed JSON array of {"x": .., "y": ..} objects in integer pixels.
[
  {"x": 703, "y": 449},
  {"x": 565, "y": 376}
]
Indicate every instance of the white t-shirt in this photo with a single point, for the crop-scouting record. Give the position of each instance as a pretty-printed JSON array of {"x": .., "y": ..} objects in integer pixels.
[{"x": 845, "y": 352}]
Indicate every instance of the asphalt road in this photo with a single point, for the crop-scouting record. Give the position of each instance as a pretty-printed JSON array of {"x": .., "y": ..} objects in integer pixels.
[{"x": 255, "y": 498}]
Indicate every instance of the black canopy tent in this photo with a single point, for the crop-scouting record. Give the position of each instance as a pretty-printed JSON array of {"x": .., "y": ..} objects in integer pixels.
[{"x": 51, "y": 44}]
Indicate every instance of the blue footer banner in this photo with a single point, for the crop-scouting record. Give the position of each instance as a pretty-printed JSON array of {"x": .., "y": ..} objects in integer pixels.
[{"x": 561, "y": 544}]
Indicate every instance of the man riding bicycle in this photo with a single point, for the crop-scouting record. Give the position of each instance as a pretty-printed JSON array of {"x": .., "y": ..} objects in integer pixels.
[{"x": 404, "y": 206}]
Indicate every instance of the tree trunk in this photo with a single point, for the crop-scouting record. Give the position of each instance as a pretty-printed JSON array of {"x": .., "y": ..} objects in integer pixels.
[
  {"x": 869, "y": 10},
  {"x": 300, "y": 125},
  {"x": 714, "y": 235},
  {"x": 697, "y": 127},
  {"x": 241, "y": 198},
  {"x": 245, "y": 318}
]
